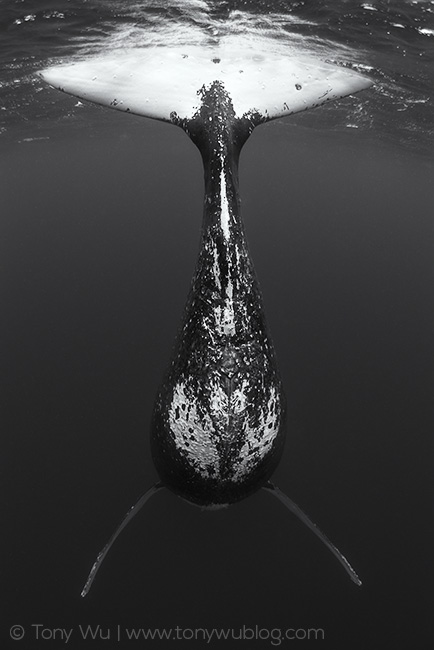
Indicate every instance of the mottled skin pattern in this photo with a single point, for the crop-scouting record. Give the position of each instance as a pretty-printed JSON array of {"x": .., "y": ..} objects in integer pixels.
[{"x": 218, "y": 423}]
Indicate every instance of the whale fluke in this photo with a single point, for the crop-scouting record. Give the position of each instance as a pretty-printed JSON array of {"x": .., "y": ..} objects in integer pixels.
[{"x": 164, "y": 83}]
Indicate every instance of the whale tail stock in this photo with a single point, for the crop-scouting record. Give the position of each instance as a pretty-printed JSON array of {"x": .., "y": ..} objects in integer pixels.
[{"x": 168, "y": 84}]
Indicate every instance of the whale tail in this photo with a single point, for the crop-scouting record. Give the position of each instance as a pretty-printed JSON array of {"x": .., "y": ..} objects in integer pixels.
[{"x": 167, "y": 83}]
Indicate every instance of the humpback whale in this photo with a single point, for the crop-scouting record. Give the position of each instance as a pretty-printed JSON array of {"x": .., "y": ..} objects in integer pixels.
[{"x": 218, "y": 425}]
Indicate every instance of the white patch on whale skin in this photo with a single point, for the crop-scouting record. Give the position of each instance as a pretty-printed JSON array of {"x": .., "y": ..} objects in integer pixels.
[
  {"x": 224, "y": 204},
  {"x": 239, "y": 399},
  {"x": 225, "y": 316},
  {"x": 193, "y": 432},
  {"x": 223, "y": 322},
  {"x": 216, "y": 268},
  {"x": 259, "y": 440},
  {"x": 219, "y": 401}
]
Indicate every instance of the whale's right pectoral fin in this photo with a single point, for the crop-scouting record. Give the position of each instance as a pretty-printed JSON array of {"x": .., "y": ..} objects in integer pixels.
[
  {"x": 298, "y": 512},
  {"x": 167, "y": 83},
  {"x": 125, "y": 521}
]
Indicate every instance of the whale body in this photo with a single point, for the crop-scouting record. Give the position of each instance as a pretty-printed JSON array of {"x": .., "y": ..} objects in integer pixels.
[{"x": 218, "y": 425}]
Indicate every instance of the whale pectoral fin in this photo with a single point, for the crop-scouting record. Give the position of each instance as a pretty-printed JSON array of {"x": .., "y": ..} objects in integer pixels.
[
  {"x": 166, "y": 83},
  {"x": 298, "y": 512},
  {"x": 125, "y": 521}
]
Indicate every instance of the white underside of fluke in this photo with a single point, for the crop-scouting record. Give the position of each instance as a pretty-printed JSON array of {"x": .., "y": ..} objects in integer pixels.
[{"x": 158, "y": 82}]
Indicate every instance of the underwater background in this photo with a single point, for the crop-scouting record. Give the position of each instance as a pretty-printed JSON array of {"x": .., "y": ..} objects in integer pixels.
[{"x": 100, "y": 225}]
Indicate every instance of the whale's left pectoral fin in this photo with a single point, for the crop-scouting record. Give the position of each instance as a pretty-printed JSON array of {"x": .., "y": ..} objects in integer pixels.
[
  {"x": 125, "y": 521},
  {"x": 298, "y": 512},
  {"x": 167, "y": 83}
]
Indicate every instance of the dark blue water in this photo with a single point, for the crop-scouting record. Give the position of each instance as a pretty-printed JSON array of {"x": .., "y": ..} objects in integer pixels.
[{"x": 99, "y": 235}]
